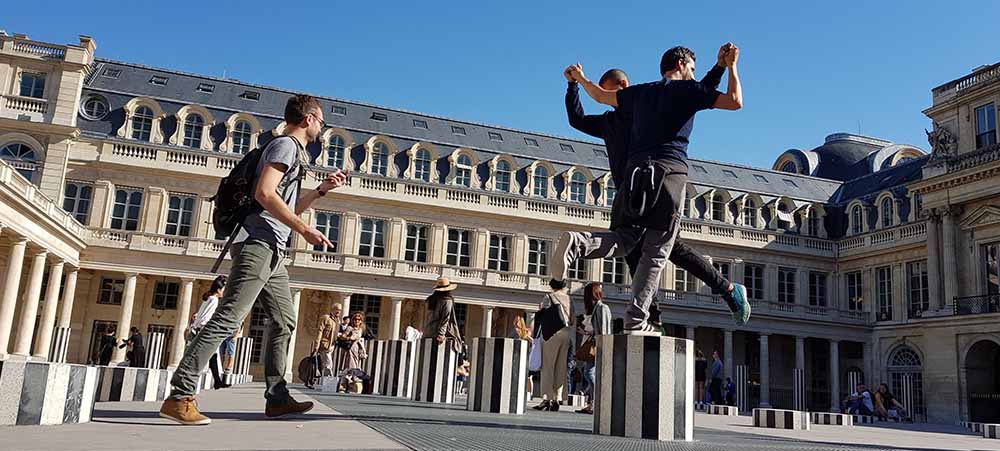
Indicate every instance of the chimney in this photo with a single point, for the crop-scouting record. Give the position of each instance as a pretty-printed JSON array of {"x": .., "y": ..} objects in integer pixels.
[
  {"x": 20, "y": 36},
  {"x": 88, "y": 43}
]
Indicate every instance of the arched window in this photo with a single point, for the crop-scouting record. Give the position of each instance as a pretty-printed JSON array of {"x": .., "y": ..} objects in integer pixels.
[
  {"x": 142, "y": 123},
  {"x": 463, "y": 171},
  {"x": 95, "y": 107},
  {"x": 887, "y": 212},
  {"x": 502, "y": 175},
  {"x": 905, "y": 357},
  {"x": 242, "y": 133},
  {"x": 335, "y": 152},
  {"x": 812, "y": 223},
  {"x": 422, "y": 165},
  {"x": 789, "y": 166},
  {"x": 578, "y": 188},
  {"x": 610, "y": 191},
  {"x": 21, "y": 157},
  {"x": 541, "y": 182},
  {"x": 380, "y": 159},
  {"x": 193, "y": 125},
  {"x": 782, "y": 212},
  {"x": 718, "y": 208},
  {"x": 856, "y": 220},
  {"x": 750, "y": 213}
]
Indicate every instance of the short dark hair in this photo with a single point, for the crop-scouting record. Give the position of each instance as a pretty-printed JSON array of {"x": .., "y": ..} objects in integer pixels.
[
  {"x": 614, "y": 75},
  {"x": 557, "y": 284},
  {"x": 298, "y": 107},
  {"x": 673, "y": 56}
]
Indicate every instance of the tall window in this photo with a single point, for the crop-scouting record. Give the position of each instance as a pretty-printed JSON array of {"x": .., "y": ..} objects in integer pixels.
[
  {"x": 335, "y": 150},
  {"x": 111, "y": 291},
  {"x": 916, "y": 276},
  {"x": 538, "y": 257},
  {"x": 458, "y": 248},
  {"x": 817, "y": 289},
  {"x": 180, "y": 210},
  {"x": 499, "y": 257},
  {"x": 686, "y": 207},
  {"x": 76, "y": 200},
  {"x": 614, "y": 270},
  {"x": 502, "y": 174},
  {"x": 372, "y": 242},
  {"x": 610, "y": 191},
  {"x": 422, "y": 165},
  {"x": 724, "y": 268},
  {"x": 883, "y": 286},
  {"x": 125, "y": 213},
  {"x": 241, "y": 137},
  {"x": 855, "y": 296},
  {"x": 577, "y": 270},
  {"x": 329, "y": 224},
  {"x": 991, "y": 267},
  {"x": 750, "y": 213},
  {"x": 541, "y": 182},
  {"x": 380, "y": 159},
  {"x": 463, "y": 171},
  {"x": 578, "y": 188},
  {"x": 718, "y": 208},
  {"x": 193, "y": 126},
  {"x": 887, "y": 212},
  {"x": 165, "y": 295},
  {"x": 22, "y": 158},
  {"x": 32, "y": 85},
  {"x": 786, "y": 285},
  {"x": 142, "y": 123},
  {"x": 986, "y": 125},
  {"x": 812, "y": 223},
  {"x": 684, "y": 281},
  {"x": 416, "y": 243},
  {"x": 857, "y": 224},
  {"x": 753, "y": 279},
  {"x": 371, "y": 306}
]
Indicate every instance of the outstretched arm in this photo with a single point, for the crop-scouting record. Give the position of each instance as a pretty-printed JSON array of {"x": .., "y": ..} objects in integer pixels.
[
  {"x": 714, "y": 76},
  {"x": 733, "y": 98},
  {"x": 599, "y": 94},
  {"x": 589, "y": 124}
]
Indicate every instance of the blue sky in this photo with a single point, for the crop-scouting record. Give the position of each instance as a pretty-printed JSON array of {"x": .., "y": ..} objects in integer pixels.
[{"x": 808, "y": 68}]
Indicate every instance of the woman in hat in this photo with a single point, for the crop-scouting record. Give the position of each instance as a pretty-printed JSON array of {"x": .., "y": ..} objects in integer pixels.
[{"x": 442, "y": 324}]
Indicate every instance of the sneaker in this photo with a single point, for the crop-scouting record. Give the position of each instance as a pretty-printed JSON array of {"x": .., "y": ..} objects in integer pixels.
[
  {"x": 643, "y": 328},
  {"x": 288, "y": 407},
  {"x": 221, "y": 386},
  {"x": 558, "y": 269},
  {"x": 741, "y": 315},
  {"x": 183, "y": 411},
  {"x": 544, "y": 405}
]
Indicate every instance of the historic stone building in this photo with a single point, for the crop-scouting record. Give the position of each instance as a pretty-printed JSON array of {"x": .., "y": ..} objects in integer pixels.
[{"x": 865, "y": 259}]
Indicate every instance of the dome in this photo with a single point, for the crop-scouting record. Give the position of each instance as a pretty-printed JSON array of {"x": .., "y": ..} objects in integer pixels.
[{"x": 845, "y": 156}]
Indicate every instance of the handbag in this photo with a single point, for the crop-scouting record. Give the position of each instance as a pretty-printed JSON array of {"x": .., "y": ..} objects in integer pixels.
[
  {"x": 535, "y": 355},
  {"x": 587, "y": 352},
  {"x": 551, "y": 320}
]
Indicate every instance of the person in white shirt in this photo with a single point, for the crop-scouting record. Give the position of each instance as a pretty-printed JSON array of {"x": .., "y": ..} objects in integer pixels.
[
  {"x": 412, "y": 334},
  {"x": 860, "y": 402},
  {"x": 210, "y": 301}
]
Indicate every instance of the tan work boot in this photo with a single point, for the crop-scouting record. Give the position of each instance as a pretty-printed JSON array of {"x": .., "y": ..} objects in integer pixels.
[
  {"x": 184, "y": 411},
  {"x": 288, "y": 407}
]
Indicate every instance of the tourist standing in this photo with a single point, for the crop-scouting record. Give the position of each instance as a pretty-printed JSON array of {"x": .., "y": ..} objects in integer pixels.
[
  {"x": 715, "y": 380},
  {"x": 600, "y": 325},
  {"x": 108, "y": 341},
  {"x": 442, "y": 323},
  {"x": 326, "y": 339},
  {"x": 137, "y": 351},
  {"x": 556, "y": 317},
  {"x": 209, "y": 303},
  {"x": 353, "y": 335}
]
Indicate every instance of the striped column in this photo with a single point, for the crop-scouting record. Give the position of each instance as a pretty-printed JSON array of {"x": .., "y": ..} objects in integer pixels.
[
  {"x": 644, "y": 387},
  {"x": 907, "y": 394},
  {"x": 398, "y": 372},
  {"x": 376, "y": 350},
  {"x": 991, "y": 431},
  {"x": 972, "y": 426},
  {"x": 155, "y": 356},
  {"x": 436, "y": 371},
  {"x": 60, "y": 345},
  {"x": 44, "y": 393},
  {"x": 780, "y": 419},
  {"x": 721, "y": 409},
  {"x": 853, "y": 379},
  {"x": 835, "y": 419},
  {"x": 244, "y": 351},
  {"x": 799, "y": 389},
  {"x": 742, "y": 388},
  {"x": 863, "y": 419},
  {"x": 116, "y": 383},
  {"x": 498, "y": 375}
]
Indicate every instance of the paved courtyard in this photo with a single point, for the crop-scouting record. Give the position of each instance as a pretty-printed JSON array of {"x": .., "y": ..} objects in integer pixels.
[{"x": 373, "y": 422}]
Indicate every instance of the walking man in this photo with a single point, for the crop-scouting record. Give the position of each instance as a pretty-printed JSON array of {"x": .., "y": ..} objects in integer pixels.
[
  {"x": 614, "y": 129},
  {"x": 326, "y": 339},
  {"x": 258, "y": 273},
  {"x": 662, "y": 117}
]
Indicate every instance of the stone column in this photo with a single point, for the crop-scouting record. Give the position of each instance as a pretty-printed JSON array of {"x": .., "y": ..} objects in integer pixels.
[
  {"x": 867, "y": 354},
  {"x": 437, "y": 243},
  {"x": 183, "y": 316},
  {"x": 799, "y": 375},
  {"x": 395, "y": 238},
  {"x": 728, "y": 350},
  {"x": 26, "y": 326},
  {"x": 69, "y": 296},
  {"x": 835, "y": 375},
  {"x": 487, "y": 321},
  {"x": 125, "y": 319},
  {"x": 289, "y": 361},
  {"x": 765, "y": 371},
  {"x": 934, "y": 261},
  {"x": 44, "y": 340},
  {"x": 800, "y": 352},
  {"x": 480, "y": 247},
  {"x": 950, "y": 273},
  {"x": 397, "y": 311},
  {"x": 345, "y": 305},
  {"x": 11, "y": 286},
  {"x": 690, "y": 332}
]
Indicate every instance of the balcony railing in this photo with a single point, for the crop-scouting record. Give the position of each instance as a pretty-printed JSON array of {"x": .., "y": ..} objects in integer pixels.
[
  {"x": 25, "y": 104},
  {"x": 977, "y": 305},
  {"x": 10, "y": 177},
  {"x": 975, "y": 158},
  {"x": 882, "y": 239},
  {"x": 978, "y": 78}
]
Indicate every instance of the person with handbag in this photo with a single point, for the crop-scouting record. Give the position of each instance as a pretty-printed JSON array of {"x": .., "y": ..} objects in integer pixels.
[
  {"x": 442, "y": 323},
  {"x": 353, "y": 334},
  {"x": 326, "y": 337},
  {"x": 600, "y": 324},
  {"x": 556, "y": 318},
  {"x": 209, "y": 302}
]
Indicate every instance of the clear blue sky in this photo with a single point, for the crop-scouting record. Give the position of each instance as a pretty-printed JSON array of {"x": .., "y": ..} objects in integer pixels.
[{"x": 808, "y": 68}]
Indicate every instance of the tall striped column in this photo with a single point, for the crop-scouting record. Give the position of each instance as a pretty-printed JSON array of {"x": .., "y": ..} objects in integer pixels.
[
  {"x": 398, "y": 373},
  {"x": 376, "y": 350},
  {"x": 155, "y": 356},
  {"x": 60, "y": 345},
  {"x": 244, "y": 351},
  {"x": 44, "y": 393},
  {"x": 853, "y": 379},
  {"x": 799, "y": 389},
  {"x": 742, "y": 388},
  {"x": 907, "y": 395},
  {"x": 645, "y": 387},
  {"x": 498, "y": 375},
  {"x": 436, "y": 374}
]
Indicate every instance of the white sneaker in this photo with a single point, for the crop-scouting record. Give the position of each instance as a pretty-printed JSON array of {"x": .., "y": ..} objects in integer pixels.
[
  {"x": 559, "y": 257},
  {"x": 643, "y": 329}
]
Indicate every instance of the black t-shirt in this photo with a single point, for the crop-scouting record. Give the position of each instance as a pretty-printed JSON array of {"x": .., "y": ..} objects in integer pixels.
[{"x": 662, "y": 114}]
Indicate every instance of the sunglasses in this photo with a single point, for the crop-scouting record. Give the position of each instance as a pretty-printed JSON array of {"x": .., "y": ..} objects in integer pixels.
[{"x": 322, "y": 123}]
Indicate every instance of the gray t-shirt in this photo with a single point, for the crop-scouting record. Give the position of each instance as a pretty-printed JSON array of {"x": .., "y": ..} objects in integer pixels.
[{"x": 263, "y": 226}]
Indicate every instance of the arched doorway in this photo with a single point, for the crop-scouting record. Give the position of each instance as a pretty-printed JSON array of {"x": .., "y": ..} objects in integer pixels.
[
  {"x": 982, "y": 375},
  {"x": 906, "y": 380}
]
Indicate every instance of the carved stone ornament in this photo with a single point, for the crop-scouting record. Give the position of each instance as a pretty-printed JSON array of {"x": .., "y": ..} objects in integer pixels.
[{"x": 943, "y": 143}]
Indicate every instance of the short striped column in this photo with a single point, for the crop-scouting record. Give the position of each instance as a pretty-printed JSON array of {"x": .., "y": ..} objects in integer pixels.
[
  {"x": 835, "y": 419},
  {"x": 644, "y": 387},
  {"x": 155, "y": 355},
  {"x": 45, "y": 393},
  {"x": 578, "y": 401},
  {"x": 498, "y": 375},
  {"x": 781, "y": 419},
  {"x": 436, "y": 367},
  {"x": 720, "y": 409},
  {"x": 116, "y": 383},
  {"x": 244, "y": 352},
  {"x": 853, "y": 379},
  {"x": 863, "y": 419},
  {"x": 742, "y": 388},
  {"x": 972, "y": 426},
  {"x": 398, "y": 374},
  {"x": 376, "y": 350},
  {"x": 991, "y": 431},
  {"x": 60, "y": 345},
  {"x": 799, "y": 389}
]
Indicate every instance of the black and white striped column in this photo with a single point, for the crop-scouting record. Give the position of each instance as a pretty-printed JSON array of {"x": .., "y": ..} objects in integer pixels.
[
  {"x": 60, "y": 345},
  {"x": 376, "y": 350},
  {"x": 720, "y": 409},
  {"x": 44, "y": 393},
  {"x": 991, "y": 431},
  {"x": 116, "y": 383},
  {"x": 742, "y": 388},
  {"x": 799, "y": 389},
  {"x": 645, "y": 387},
  {"x": 907, "y": 394},
  {"x": 835, "y": 419},
  {"x": 437, "y": 363},
  {"x": 781, "y": 419},
  {"x": 244, "y": 352},
  {"x": 154, "y": 357},
  {"x": 863, "y": 419},
  {"x": 853, "y": 379},
  {"x": 398, "y": 374},
  {"x": 972, "y": 426},
  {"x": 498, "y": 375}
]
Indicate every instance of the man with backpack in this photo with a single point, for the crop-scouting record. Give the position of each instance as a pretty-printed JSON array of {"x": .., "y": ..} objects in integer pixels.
[{"x": 257, "y": 272}]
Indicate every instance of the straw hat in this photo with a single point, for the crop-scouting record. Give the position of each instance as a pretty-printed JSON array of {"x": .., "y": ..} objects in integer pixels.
[{"x": 443, "y": 284}]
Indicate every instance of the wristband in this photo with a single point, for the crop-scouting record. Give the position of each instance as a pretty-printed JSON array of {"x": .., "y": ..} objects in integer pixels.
[{"x": 321, "y": 192}]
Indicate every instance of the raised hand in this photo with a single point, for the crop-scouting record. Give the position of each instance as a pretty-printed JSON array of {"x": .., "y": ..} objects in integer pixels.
[
  {"x": 732, "y": 56},
  {"x": 721, "y": 61}
]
